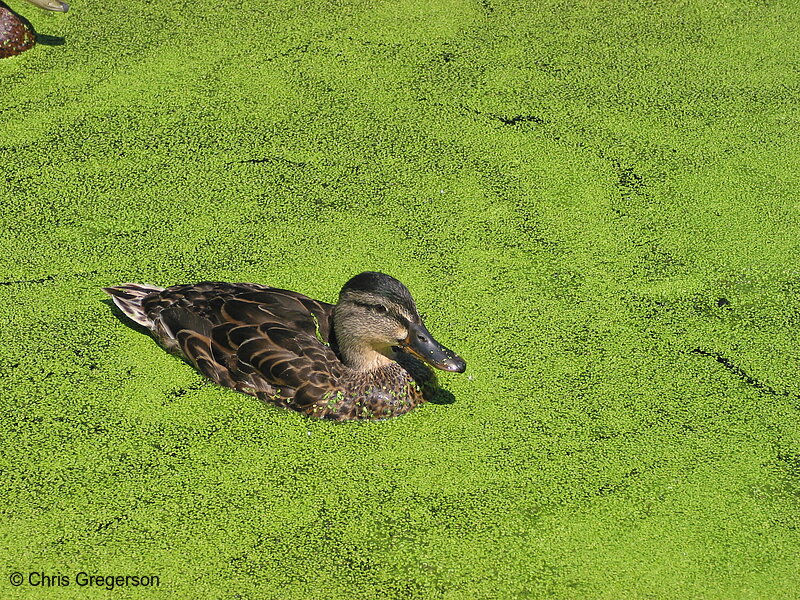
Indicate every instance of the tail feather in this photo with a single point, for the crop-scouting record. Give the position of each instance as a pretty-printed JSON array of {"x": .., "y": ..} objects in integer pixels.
[{"x": 128, "y": 298}]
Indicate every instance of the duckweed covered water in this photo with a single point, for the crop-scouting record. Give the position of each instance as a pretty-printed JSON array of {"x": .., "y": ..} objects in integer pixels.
[{"x": 595, "y": 204}]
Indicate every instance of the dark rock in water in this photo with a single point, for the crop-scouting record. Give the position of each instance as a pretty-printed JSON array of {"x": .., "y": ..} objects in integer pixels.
[{"x": 16, "y": 34}]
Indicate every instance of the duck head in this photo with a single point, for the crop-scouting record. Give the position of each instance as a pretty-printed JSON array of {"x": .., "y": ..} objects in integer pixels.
[{"x": 376, "y": 316}]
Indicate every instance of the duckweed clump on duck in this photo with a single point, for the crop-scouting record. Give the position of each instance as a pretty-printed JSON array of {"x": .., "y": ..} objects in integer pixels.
[{"x": 568, "y": 191}]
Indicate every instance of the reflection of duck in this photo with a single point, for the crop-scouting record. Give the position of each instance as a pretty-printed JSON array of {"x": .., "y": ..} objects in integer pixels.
[
  {"x": 359, "y": 359},
  {"x": 16, "y": 34}
]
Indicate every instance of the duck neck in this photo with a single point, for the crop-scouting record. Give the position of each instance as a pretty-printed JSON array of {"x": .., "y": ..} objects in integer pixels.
[
  {"x": 357, "y": 348},
  {"x": 364, "y": 357}
]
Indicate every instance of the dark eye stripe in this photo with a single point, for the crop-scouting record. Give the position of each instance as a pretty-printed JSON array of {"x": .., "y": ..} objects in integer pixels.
[
  {"x": 383, "y": 310},
  {"x": 379, "y": 308}
]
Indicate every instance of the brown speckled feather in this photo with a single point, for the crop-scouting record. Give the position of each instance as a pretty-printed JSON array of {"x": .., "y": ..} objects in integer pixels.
[{"x": 274, "y": 344}]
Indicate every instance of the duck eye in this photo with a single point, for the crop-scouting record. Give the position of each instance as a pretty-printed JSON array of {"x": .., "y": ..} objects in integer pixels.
[{"x": 382, "y": 310}]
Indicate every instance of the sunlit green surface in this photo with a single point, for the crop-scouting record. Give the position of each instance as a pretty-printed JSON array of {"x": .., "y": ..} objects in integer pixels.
[{"x": 595, "y": 203}]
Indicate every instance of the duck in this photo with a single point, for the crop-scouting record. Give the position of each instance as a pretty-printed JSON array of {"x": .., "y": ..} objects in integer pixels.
[
  {"x": 16, "y": 33},
  {"x": 368, "y": 357}
]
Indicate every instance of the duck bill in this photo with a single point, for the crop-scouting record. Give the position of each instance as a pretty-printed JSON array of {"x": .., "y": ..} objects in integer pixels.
[{"x": 420, "y": 343}]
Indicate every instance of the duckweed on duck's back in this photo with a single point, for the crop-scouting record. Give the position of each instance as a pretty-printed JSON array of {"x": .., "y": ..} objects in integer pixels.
[{"x": 362, "y": 358}]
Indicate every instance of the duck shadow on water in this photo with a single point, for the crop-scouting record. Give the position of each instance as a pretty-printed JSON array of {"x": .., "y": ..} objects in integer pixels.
[
  {"x": 442, "y": 396},
  {"x": 49, "y": 40}
]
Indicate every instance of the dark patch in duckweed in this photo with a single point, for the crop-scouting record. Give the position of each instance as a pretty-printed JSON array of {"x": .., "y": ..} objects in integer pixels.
[
  {"x": 628, "y": 179},
  {"x": 520, "y": 119},
  {"x": 48, "y": 278},
  {"x": 169, "y": 448},
  {"x": 179, "y": 392},
  {"x": 742, "y": 374},
  {"x": 629, "y": 183},
  {"x": 792, "y": 462},
  {"x": 271, "y": 160},
  {"x": 111, "y": 523},
  {"x": 613, "y": 487},
  {"x": 657, "y": 264},
  {"x": 298, "y": 49},
  {"x": 505, "y": 120},
  {"x": 548, "y": 67},
  {"x": 83, "y": 424}
]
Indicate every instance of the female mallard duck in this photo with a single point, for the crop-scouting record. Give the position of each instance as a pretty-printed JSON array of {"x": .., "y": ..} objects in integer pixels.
[
  {"x": 16, "y": 34},
  {"x": 357, "y": 359}
]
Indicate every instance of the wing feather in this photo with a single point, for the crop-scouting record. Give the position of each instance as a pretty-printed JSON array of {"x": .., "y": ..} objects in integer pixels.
[{"x": 253, "y": 338}]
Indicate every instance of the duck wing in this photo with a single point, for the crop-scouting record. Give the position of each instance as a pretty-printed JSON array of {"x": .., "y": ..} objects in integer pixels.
[
  {"x": 264, "y": 341},
  {"x": 279, "y": 361}
]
